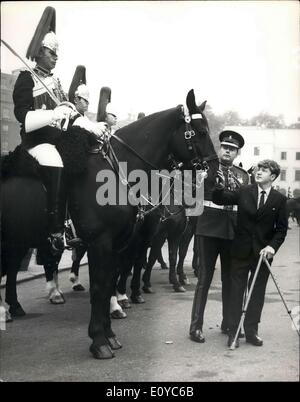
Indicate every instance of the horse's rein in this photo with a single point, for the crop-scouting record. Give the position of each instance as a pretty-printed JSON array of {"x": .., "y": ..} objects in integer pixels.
[{"x": 116, "y": 167}]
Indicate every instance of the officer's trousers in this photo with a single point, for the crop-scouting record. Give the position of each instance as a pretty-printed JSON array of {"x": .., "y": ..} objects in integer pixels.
[{"x": 209, "y": 248}]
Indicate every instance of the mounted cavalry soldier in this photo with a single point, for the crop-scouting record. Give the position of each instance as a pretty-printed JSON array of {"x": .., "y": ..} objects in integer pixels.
[
  {"x": 41, "y": 106},
  {"x": 36, "y": 96},
  {"x": 79, "y": 95},
  {"x": 107, "y": 110},
  {"x": 215, "y": 232}
]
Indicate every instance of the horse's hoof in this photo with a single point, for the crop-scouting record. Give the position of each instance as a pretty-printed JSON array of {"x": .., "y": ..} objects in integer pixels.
[
  {"x": 58, "y": 298},
  {"x": 118, "y": 314},
  {"x": 148, "y": 289},
  {"x": 114, "y": 343},
  {"x": 8, "y": 317},
  {"x": 137, "y": 299},
  {"x": 101, "y": 352},
  {"x": 78, "y": 287},
  {"x": 179, "y": 289},
  {"x": 124, "y": 303},
  {"x": 184, "y": 282},
  {"x": 164, "y": 266},
  {"x": 16, "y": 310}
]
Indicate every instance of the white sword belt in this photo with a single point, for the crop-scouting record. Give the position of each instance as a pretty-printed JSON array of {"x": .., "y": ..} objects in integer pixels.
[{"x": 211, "y": 204}]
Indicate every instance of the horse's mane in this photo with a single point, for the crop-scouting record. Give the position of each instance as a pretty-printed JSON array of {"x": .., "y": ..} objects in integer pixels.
[{"x": 156, "y": 122}]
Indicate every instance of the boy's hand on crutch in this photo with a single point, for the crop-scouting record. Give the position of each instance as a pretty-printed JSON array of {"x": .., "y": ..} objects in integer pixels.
[{"x": 267, "y": 252}]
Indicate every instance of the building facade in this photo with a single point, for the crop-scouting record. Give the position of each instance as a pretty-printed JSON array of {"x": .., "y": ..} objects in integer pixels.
[
  {"x": 281, "y": 145},
  {"x": 10, "y": 128}
]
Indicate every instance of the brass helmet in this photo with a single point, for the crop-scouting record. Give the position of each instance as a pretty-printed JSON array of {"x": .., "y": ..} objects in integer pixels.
[
  {"x": 78, "y": 85},
  {"x": 44, "y": 35}
]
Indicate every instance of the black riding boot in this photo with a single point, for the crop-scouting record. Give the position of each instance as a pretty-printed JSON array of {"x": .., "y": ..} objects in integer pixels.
[{"x": 56, "y": 205}]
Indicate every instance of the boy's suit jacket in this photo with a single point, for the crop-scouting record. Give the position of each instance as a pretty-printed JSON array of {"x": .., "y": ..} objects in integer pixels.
[{"x": 256, "y": 228}]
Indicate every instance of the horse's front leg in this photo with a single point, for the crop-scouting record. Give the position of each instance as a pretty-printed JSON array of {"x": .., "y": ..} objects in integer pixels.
[
  {"x": 173, "y": 243},
  {"x": 136, "y": 296},
  {"x": 55, "y": 294},
  {"x": 183, "y": 249},
  {"x": 11, "y": 260},
  {"x": 77, "y": 255},
  {"x": 161, "y": 261},
  {"x": 102, "y": 267},
  {"x": 155, "y": 250},
  {"x": 121, "y": 285}
]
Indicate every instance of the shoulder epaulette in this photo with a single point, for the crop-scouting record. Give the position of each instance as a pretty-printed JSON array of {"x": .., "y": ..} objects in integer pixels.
[{"x": 241, "y": 169}]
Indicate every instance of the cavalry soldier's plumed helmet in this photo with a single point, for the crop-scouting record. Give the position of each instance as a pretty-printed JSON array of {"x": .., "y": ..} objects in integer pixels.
[
  {"x": 104, "y": 100},
  {"x": 231, "y": 138},
  {"x": 111, "y": 109},
  {"x": 78, "y": 85},
  {"x": 44, "y": 35}
]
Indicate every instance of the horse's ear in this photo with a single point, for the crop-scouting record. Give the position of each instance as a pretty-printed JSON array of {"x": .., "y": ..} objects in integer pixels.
[
  {"x": 202, "y": 106},
  {"x": 191, "y": 102}
]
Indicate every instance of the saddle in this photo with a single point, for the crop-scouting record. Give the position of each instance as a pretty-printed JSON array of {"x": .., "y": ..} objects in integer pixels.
[
  {"x": 19, "y": 163},
  {"x": 74, "y": 146}
]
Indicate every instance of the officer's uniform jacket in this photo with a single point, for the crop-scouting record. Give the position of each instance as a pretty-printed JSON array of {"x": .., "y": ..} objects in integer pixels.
[
  {"x": 218, "y": 220},
  {"x": 28, "y": 95}
]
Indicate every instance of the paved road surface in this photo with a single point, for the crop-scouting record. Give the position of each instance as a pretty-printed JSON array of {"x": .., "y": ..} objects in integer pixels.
[{"x": 51, "y": 342}]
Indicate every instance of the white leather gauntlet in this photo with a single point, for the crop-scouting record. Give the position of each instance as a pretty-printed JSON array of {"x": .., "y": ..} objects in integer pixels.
[
  {"x": 40, "y": 118},
  {"x": 37, "y": 119}
]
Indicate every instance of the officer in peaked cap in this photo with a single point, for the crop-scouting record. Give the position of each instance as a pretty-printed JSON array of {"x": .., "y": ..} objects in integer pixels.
[
  {"x": 215, "y": 232},
  {"x": 231, "y": 138},
  {"x": 41, "y": 119}
]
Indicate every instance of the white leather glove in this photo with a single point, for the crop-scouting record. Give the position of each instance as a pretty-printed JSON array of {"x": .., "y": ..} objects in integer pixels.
[
  {"x": 220, "y": 180},
  {"x": 99, "y": 128},
  {"x": 61, "y": 112}
]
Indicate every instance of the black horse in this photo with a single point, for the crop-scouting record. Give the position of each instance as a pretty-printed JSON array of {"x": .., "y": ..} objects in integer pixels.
[
  {"x": 24, "y": 226},
  {"x": 144, "y": 145},
  {"x": 178, "y": 230},
  {"x": 293, "y": 209}
]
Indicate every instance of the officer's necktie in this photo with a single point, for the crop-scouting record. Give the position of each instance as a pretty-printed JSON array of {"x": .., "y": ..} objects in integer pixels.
[{"x": 262, "y": 199}]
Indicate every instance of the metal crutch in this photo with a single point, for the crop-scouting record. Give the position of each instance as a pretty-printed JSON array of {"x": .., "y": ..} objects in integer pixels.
[
  {"x": 280, "y": 293},
  {"x": 244, "y": 310}
]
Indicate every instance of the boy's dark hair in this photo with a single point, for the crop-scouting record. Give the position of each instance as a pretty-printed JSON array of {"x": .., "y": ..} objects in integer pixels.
[{"x": 270, "y": 164}]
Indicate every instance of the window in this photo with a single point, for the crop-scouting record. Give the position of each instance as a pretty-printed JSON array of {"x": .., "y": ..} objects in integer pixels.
[
  {"x": 256, "y": 151},
  {"x": 297, "y": 175},
  {"x": 283, "y": 156},
  {"x": 5, "y": 113},
  {"x": 283, "y": 175},
  {"x": 4, "y": 147},
  {"x": 5, "y": 128},
  {"x": 297, "y": 156}
]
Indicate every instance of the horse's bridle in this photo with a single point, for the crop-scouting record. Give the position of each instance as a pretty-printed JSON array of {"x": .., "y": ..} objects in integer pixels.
[{"x": 197, "y": 160}]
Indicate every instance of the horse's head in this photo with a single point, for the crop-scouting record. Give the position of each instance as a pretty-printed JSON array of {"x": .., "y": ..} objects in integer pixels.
[{"x": 191, "y": 142}]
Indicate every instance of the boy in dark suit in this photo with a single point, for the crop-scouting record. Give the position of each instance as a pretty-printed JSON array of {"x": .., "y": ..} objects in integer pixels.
[{"x": 261, "y": 229}]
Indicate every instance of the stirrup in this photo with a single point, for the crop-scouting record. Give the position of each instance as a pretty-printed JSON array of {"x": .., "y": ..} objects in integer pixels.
[
  {"x": 75, "y": 242},
  {"x": 56, "y": 241},
  {"x": 72, "y": 241}
]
